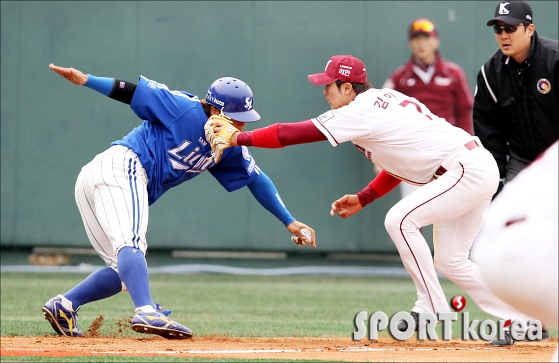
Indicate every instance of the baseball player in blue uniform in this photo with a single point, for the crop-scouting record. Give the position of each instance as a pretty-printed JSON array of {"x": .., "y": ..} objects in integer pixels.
[{"x": 114, "y": 190}]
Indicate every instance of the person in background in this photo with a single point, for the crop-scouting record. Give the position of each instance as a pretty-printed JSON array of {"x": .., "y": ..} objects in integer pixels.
[
  {"x": 434, "y": 81},
  {"x": 516, "y": 106}
]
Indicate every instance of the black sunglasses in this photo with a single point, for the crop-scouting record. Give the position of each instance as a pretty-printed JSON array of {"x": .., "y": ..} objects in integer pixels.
[{"x": 509, "y": 29}]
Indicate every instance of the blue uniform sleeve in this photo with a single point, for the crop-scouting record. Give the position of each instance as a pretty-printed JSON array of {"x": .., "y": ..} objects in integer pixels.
[
  {"x": 266, "y": 194},
  {"x": 102, "y": 85},
  {"x": 236, "y": 169},
  {"x": 154, "y": 101}
]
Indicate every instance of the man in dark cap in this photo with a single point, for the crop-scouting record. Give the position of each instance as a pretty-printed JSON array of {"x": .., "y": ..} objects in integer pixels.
[{"x": 516, "y": 99}]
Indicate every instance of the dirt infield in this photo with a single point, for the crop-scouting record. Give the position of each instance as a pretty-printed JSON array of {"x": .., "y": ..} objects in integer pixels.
[{"x": 339, "y": 349}]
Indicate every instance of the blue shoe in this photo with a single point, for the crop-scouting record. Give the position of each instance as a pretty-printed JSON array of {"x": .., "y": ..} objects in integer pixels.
[
  {"x": 158, "y": 323},
  {"x": 60, "y": 314}
]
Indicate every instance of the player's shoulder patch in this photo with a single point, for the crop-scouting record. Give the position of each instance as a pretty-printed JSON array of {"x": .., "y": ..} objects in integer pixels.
[
  {"x": 328, "y": 115},
  {"x": 246, "y": 153},
  {"x": 148, "y": 82}
]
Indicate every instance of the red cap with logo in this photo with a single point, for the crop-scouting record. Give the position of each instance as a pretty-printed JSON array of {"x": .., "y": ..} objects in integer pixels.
[{"x": 341, "y": 68}]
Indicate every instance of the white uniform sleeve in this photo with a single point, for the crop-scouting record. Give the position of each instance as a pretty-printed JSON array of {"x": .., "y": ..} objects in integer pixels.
[{"x": 343, "y": 124}]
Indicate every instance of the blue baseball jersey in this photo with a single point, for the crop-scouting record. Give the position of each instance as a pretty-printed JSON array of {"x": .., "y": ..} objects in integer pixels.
[{"x": 171, "y": 143}]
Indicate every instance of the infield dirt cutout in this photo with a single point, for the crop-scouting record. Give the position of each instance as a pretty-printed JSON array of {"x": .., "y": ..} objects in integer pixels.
[
  {"x": 214, "y": 347},
  {"x": 337, "y": 349}
]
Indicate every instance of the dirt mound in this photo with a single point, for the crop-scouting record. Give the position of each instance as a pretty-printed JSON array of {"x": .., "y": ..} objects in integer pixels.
[{"x": 340, "y": 349}]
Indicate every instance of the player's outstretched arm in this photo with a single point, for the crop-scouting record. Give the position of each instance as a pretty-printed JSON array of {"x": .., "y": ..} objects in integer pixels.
[
  {"x": 265, "y": 192},
  {"x": 104, "y": 85},
  {"x": 346, "y": 206},
  {"x": 273, "y": 136},
  {"x": 71, "y": 74}
]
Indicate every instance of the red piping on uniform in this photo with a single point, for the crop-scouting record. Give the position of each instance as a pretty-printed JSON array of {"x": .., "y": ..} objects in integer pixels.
[
  {"x": 329, "y": 133},
  {"x": 404, "y": 179},
  {"x": 513, "y": 221},
  {"x": 404, "y": 237}
]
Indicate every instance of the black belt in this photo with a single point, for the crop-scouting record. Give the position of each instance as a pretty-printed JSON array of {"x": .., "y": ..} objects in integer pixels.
[{"x": 469, "y": 145}]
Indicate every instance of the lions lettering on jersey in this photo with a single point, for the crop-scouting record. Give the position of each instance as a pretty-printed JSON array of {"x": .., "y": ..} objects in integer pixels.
[{"x": 194, "y": 156}]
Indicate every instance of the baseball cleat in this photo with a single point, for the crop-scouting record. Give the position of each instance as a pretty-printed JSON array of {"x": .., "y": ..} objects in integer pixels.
[
  {"x": 507, "y": 340},
  {"x": 157, "y": 322},
  {"x": 61, "y": 316},
  {"x": 403, "y": 325}
]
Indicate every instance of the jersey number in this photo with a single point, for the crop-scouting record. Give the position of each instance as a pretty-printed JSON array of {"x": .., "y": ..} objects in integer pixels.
[{"x": 404, "y": 103}]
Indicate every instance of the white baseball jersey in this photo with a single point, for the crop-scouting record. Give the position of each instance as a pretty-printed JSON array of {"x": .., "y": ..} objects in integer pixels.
[
  {"x": 458, "y": 178},
  {"x": 396, "y": 132}
]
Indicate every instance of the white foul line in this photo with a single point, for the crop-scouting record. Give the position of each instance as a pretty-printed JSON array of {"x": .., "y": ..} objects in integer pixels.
[{"x": 253, "y": 351}]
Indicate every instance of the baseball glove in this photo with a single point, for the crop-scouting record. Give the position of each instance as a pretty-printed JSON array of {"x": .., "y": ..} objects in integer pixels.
[{"x": 222, "y": 140}]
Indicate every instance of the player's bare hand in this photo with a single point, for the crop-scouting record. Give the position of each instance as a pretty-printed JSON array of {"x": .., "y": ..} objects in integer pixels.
[
  {"x": 346, "y": 206},
  {"x": 71, "y": 74},
  {"x": 302, "y": 234}
]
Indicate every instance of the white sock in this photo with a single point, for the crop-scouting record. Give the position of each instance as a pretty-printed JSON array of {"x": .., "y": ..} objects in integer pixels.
[
  {"x": 66, "y": 303},
  {"x": 146, "y": 309}
]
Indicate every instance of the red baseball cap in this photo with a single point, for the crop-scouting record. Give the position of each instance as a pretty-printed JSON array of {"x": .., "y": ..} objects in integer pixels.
[
  {"x": 423, "y": 26},
  {"x": 341, "y": 68}
]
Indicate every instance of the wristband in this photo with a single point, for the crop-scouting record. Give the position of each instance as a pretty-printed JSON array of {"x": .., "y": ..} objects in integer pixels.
[
  {"x": 367, "y": 196},
  {"x": 266, "y": 137},
  {"x": 102, "y": 85}
]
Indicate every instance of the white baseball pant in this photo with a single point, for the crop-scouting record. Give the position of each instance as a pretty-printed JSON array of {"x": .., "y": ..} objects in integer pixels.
[
  {"x": 455, "y": 203},
  {"x": 111, "y": 194}
]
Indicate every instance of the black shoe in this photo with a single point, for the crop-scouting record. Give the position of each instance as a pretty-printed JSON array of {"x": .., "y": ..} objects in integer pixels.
[
  {"x": 507, "y": 340},
  {"x": 545, "y": 336},
  {"x": 403, "y": 325}
]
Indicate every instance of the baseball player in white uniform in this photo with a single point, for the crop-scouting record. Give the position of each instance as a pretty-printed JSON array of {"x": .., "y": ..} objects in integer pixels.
[
  {"x": 457, "y": 176},
  {"x": 519, "y": 239}
]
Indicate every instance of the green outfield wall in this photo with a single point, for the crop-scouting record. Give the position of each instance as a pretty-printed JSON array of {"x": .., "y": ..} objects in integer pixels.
[{"x": 51, "y": 128}]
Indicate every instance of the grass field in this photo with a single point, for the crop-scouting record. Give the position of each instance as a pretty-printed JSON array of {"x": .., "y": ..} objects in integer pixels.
[
  {"x": 223, "y": 305},
  {"x": 240, "y": 306}
]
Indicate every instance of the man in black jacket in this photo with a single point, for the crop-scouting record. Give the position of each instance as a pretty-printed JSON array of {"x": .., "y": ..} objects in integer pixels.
[{"x": 516, "y": 100}]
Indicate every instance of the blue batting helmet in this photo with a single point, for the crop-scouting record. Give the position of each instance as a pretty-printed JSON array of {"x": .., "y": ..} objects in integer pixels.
[{"x": 234, "y": 98}]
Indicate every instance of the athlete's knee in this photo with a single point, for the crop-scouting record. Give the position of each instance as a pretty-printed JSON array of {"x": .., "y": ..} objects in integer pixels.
[
  {"x": 449, "y": 267},
  {"x": 392, "y": 222},
  {"x": 397, "y": 223},
  {"x": 129, "y": 249}
]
